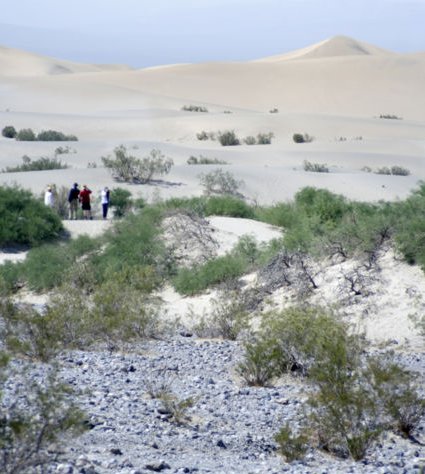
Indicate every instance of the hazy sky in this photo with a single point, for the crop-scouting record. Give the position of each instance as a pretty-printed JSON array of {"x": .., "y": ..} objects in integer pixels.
[{"x": 151, "y": 32}]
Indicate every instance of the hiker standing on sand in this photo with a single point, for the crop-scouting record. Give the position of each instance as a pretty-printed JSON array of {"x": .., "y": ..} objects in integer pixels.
[
  {"x": 104, "y": 195},
  {"x": 73, "y": 201},
  {"x": 49, "y": 199},
  {"x": 85, "y": 202}
]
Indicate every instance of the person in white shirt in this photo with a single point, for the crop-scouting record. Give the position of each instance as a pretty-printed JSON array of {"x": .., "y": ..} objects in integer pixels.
[
  {"x": 104, "y": 195},
  {"x": 49, "y": 199}
]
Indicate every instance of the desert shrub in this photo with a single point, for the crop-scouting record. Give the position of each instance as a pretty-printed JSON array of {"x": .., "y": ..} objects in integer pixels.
[
  {"x": 399, "y": 171},
  {"x": 114, "y": 311},
  {"x": 302, "y": 138},
  {"x": 228, "y": 138},
  {"x": 64, "y": 150},
  {"x": 26, "y": 135},
  {"x": 120, "y": 201},
  {"x": 250, "y": 140},
  {"x": 36, "y": 419},
  {"x": 202, "y": 136},
  {"x": 290, "y": 446},
  {"x": 175, "y": 409},
  {"x": 265, "y": 138},
  {"x": 190, "y": 281},
  {"x": 390, "y": 116},
  {"x": 196, "y": 205},
  {"x": 203, "y": 160},
  {"x": 227, "y": 206},
  {"x": 9, "y": 132},
  {"x": 383, "y": 170},
  {"x": 125, "y": 167},
  {"x": 11, "y": 277},
  {"x": 60, "y": 202},
  {"x": 54, "y": 136},
  {"x": 134, "y": 241},
  {"x": 46, "y": 266},
  {"x": 194, "y": 108},
  {"x": 227, "y": 319},
  {"x": 25, "y": 220},
  {"x": 275, "y": 110},
  {"x": 220, "y": 182},
  {"x": 315, "y": 167},
  {"x": 367, "y": 169},
  {"x": 40, "y": 164},
  {"x": 260, "y": 364}
]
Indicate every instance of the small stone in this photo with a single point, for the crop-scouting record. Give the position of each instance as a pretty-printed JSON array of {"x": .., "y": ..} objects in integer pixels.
[
  {"x": 116, "y": 451},
  {"x": 158, "y": 466},
  {"x": 221, "y": 444}
]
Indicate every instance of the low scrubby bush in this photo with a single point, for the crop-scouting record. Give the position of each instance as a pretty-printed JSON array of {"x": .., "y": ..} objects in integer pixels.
[
  {"x": 9, "y": 132},
  {"x": 37, "y": 419},
  {"x": 25, "y": 219},
  {"x": 220, "y": 182},
  {"x": 40, "y": 164},
  {"x": 54, "y": 136},
  {"x": 194, "y": 108},
  {"x": 265, "y": 138},
  {"x": 302, "y": 138},
  {"x": 250, "y": 140},
  {"x": 315, "y": 167},
  {"x": 120, "y": 201},
  {"x": 126, "y": 167},
  {"x": 26, "y": 135},
  {"x": 203, "y": 160},
  {"x": 228, "y": 138},
  {"x": 190, "y": 281},
  {"x": 228, "y": 206}
]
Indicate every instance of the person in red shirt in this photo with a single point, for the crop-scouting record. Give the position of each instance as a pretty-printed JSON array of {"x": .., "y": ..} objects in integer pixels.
[{"x": 85, "y": 202}]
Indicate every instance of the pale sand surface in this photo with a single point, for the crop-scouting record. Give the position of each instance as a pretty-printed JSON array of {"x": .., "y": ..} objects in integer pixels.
[{"x": 336, "y": 88}]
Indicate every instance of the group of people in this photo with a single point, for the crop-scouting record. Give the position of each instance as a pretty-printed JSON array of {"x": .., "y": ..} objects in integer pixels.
[{"x": 82, "y": 197}]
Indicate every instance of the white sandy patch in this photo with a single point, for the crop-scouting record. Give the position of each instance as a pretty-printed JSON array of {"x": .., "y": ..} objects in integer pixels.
[
  {"x": 230, "y": 229},
  {"x": 92, "y": 228},
  {"x": 12, "y": 256}
]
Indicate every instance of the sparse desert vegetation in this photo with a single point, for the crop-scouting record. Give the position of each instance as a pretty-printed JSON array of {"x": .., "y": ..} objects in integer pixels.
[
  {"x": 194, "y": 108},
  {"x": 315, "y": 167},
  {"x": 39, "y": 164},
  {"x": 302, "y": 138},
  {"x": 129, "y": 168}
]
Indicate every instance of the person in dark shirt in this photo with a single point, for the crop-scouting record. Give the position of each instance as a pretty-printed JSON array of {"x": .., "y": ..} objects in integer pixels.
[{"x": 73, "y": 201}]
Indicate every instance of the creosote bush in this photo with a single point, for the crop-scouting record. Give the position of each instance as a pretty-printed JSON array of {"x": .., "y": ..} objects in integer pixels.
[
  {"x": 126, "y": 167},
  {"x": 228, "y": 138},
  {"x": 220, "y": 182},
  {"x": 25, "y": 219},
  {"x": 203, "y": 160},
  {"x": 40, "y": 164},
  {"x": 120, "y": 202},
  {"x": 26, "y": 135},
  {"x": 36, "y": 419},
  {"x": 194, "y": 108},
  {"x": 315, "y": 167},
  {"x": 302, "y": 138},
  {"x": 355, "y": 396},
  {"x": 9, "y": 132}
]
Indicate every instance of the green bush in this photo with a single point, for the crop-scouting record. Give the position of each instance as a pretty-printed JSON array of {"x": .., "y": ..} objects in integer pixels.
[
  {"x": 228, "y": 206},
  {"x": 40, "y": 164},
  {"x": 290, "y": 446},
  {"x": 228, "y": 138},
  {"x": 302, "y": 138},
  {"x": 265, "y": 138},
  {"x": 125, "y": 167},
  {"x": 250, "y": 140},
  {"x": 120, "y": 201},
  {"x": 203, "y": 160},
  {"x": 26, "y": 135},
  {"x": 315, "y": 167},
  {"x": 194, "y": 108},
  {"x": 194, "y": 280},
  {"x": 399, "y": 171},
  {"x": 54, "y": 136},
  {"x": 37, "y": 420},
  {"x": 25, "y": 220},
  {"x": 9, "y": 131},
  {"x": 220, "y": 182}
]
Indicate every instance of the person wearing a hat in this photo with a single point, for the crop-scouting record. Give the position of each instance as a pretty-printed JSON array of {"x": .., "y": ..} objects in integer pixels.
[
  {"x": 73, "y": 201},
  {"x": 48, "y": 197}
]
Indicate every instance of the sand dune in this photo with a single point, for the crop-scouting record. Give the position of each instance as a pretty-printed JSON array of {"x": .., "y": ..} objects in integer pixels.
[{"x": 335, "y": 91}]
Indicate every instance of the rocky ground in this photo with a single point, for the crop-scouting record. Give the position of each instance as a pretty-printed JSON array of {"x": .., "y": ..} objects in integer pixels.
[{"x": 229, "y": 428}]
